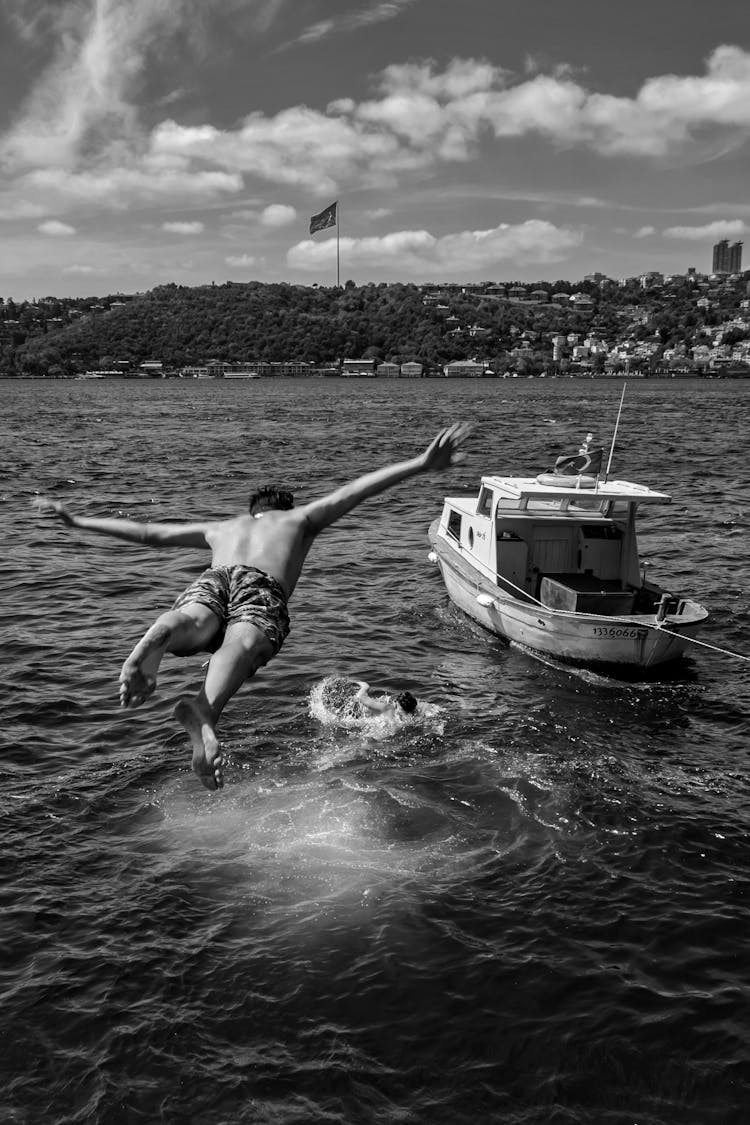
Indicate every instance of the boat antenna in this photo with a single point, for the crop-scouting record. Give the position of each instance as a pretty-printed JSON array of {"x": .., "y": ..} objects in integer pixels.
[{"x": 614, "y": 435}]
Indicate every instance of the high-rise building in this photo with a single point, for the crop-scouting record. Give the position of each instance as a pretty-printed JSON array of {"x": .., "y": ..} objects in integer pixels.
[
  {"x": 735, "y": 258},
  {"x": 720, "y": 263},
  {"x": 727, "y": 259}
]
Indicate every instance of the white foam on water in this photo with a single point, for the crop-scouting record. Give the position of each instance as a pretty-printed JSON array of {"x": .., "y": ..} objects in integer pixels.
[{"x": 333, "y": 704}]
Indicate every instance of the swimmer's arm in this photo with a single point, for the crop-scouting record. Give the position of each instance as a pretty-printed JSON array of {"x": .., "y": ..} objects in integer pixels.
[
  {"x": 153, "y": 534},
  {"x": 374, "y": 705},
  {"x": 442, "y": 451}
]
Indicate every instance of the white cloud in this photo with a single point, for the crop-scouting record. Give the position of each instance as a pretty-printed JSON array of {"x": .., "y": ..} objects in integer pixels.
[
  {"x": 117, "y": 188},
  {"x": 644, "y": 232},
  {"x": 277, "y": 215},
  {"x": 16, "y": 208},
  {"x": 83, "y": 270},
  {"x": 183, "y": 228},
  {"x": 79, "y": 141},
  {"x": 241, "y": 261},
  {"x": 418, "y": 252},
  {"x": 423, "y": 117},
  {"x": 299, "y": 146},
  {"x": 351, "y": 21},
  {"x": 98, "y": 54},
  {"x": 56, "y": 229},
  {"x": 722, "y": 228},
  {"x": 84, "y": 103}
]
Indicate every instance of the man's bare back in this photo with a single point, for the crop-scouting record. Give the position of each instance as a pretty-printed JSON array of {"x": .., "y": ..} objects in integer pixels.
[{"x": 276, "y": 542}]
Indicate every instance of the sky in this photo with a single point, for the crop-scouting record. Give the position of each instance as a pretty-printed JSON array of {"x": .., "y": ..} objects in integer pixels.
[{"x": 144, "y": 142}]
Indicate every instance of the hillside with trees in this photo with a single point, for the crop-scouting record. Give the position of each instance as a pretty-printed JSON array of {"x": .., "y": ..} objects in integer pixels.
[{"x": 433, "y": 325}]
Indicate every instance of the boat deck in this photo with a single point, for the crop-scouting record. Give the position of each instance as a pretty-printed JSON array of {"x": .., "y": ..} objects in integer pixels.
[{"x": 572, "y": 488}]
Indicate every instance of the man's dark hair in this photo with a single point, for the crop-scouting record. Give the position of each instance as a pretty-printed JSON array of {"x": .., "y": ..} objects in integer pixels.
[
  {"x": 407, "y": 702},
  {"x": 270, "y": 497}
]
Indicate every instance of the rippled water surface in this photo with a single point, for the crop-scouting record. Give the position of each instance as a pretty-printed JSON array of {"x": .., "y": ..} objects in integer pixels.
[{"x": 528, "y": 904}]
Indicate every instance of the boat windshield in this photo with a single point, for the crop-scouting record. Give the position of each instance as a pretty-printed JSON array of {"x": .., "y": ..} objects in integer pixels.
[
  {"x": 586, "y": 504},
  {"x": 484, "y": 506},
  {"x": 548, "y": 504}
]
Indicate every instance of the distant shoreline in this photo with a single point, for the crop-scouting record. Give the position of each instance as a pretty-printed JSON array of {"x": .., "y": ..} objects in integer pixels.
[{"x": 140, "y": 380}]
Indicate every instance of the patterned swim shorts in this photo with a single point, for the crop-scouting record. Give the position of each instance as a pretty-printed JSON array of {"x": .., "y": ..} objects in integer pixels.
[{"x": 241, "y": 593}]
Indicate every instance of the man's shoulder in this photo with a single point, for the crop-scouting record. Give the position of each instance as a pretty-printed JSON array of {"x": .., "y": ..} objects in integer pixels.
[{"x": 289, "y": 518}]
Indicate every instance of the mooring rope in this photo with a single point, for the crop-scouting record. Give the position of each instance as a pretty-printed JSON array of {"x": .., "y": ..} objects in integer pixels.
[
  {"x": 704, "y": 644},
  {"x": 629, "y": 621}
]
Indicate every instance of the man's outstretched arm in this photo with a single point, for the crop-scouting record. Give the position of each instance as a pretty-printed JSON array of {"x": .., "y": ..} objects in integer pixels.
[
  {"x": 442, "y": 451},
  {"x": 153, "y": 534}
]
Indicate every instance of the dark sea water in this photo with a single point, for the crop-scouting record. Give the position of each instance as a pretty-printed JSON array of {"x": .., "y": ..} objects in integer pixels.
[{"x": 527, "y": 905}]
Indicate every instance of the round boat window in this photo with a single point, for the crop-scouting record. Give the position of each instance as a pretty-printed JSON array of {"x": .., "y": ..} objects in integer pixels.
[{"x": 471, "y": 536}]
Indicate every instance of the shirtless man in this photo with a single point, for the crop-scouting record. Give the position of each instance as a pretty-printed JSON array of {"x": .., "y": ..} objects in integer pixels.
[{"x": 237, "y": 609}]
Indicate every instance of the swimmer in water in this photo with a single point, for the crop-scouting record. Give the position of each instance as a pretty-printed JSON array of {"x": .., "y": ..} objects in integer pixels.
[
  {"x": 403, "y": 704},
  {"x": 237, "y": 609}
]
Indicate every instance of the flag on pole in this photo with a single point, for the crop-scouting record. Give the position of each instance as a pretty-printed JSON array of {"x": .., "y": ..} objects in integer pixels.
[
  {"x": 586, "y": 461},
  {"x": 327, "y": 218}
]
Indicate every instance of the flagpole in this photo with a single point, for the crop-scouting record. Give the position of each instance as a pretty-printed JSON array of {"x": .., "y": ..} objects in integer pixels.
[{"x": 338, "y": 226}]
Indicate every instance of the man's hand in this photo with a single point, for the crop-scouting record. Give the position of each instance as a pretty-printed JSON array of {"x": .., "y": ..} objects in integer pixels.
[
  {"x": 44, "y": 504},
  {"x": 444, "y": 450}
]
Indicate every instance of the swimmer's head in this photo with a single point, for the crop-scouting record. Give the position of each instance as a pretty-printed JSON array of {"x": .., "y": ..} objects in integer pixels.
[
  {"x": 270, "y": 497},
  {"x": 407, "y": 702}
]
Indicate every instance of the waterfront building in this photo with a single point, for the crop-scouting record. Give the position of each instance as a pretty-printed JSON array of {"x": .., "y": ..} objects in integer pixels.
[
  {"x": 358, "y": 367},
  {"x": 387, "y": 371},
  {"x": 464, "y": 369},
  {"x": 240, "y": 370},
  {"x": 411, "y": 370},
  {"x": 288, "y": 367}
]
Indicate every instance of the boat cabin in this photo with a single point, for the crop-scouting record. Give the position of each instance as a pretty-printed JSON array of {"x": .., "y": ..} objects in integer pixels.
[{"x": 569, "y": 545}]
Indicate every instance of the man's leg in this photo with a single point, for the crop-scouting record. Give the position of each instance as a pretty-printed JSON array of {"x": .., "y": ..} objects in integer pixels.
[
  {"x": 182, "y": 631},
  {"x": 245, "y": 649}
]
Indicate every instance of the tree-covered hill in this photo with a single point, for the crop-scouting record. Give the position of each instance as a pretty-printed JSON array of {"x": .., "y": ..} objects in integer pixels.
[
  {"x": 255, "y": 322},
  {"x": 240, "y": 322}
]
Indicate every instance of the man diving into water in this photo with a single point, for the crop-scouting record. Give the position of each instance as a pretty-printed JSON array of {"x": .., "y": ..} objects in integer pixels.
[{"x": 237, "y": 609}]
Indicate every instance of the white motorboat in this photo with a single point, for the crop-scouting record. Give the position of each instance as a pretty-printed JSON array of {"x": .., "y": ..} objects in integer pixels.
[{"x": 551, "y": 562}]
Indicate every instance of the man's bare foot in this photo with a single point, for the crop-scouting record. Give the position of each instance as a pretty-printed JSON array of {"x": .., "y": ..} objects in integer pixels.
[
  {"x": 207, "y": 760},
  {"x": 138, "y": 675},
  {"x": 135, "y": 687}
]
